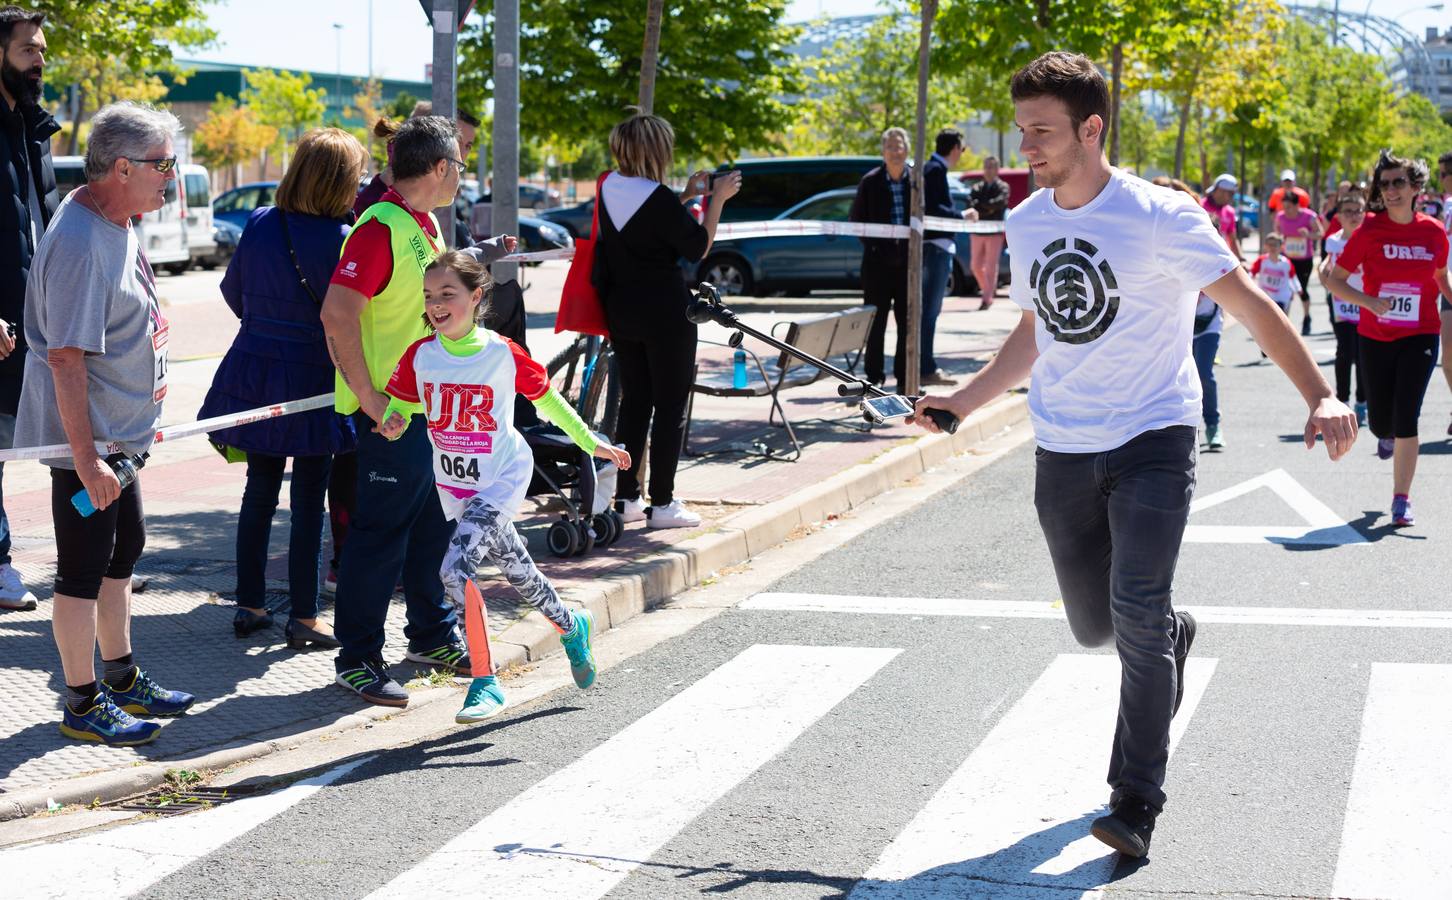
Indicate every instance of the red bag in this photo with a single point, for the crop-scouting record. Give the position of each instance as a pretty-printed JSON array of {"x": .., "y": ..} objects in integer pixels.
[{"x": 580, "y": 306}]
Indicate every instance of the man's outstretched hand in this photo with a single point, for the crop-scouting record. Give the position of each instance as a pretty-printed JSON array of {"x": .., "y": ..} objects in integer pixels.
[{"x": 1335, "y": 423}]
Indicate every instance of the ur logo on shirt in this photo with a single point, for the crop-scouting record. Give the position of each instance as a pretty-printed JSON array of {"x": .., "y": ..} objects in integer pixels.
[
  {"x": 1398, "y": 251},
  {"x": 1076, "y": 296},
  {"x": 459, "y": 407}
]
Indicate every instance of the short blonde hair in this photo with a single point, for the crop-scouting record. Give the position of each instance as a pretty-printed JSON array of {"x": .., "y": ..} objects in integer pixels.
[
  {"x": 643, "y": 146},
  {"x": 323, "y": 177}
]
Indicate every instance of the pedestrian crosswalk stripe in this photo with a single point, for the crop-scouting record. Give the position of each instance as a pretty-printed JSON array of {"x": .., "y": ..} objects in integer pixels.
[
  {"x": 123, "y": 861},
  {"x": 581, "y": 830},
  {"x": 1013, "y": 820},
  {"x": 1397, "y": 837},
  {"x": 1027, "y": 609}
]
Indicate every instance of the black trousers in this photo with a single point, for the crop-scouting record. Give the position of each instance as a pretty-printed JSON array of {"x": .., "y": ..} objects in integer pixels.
[
  {"x": 1348, "y": 357},
  {"x": 655, "y": 385},
  {"x": 1396, "y": 374},
  {"x": 1113, "y": 522},
  {"x": 884, "y": 286}
]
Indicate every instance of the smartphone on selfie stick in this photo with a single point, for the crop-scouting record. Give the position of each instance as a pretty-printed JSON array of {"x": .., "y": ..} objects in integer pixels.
[{"x": 878, "y": 406}]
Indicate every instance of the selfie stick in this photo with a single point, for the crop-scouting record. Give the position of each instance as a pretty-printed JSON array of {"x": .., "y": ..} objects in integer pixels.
[{"x": 707, "y": 307}]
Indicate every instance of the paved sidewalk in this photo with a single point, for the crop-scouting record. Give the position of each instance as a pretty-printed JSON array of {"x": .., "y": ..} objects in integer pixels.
[{"x": 246, "y": 688}]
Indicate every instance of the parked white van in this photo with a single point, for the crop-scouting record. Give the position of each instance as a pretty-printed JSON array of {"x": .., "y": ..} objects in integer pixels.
[
  {"x": 163, "y": 232},
  {"x": 196, "y": 184}
]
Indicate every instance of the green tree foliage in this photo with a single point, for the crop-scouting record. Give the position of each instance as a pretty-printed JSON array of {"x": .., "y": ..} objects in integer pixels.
[
  {"x": 115, "y": 50},
  {"x": 1418, "y": 131},
  {"x": 284, "y": 101},
  {"x": 230, "y": 136},
  {"x": 721, "y": 70}
]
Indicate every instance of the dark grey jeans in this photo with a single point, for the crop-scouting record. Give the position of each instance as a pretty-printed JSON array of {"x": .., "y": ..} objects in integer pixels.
[{"x": 1113, "y": 522}]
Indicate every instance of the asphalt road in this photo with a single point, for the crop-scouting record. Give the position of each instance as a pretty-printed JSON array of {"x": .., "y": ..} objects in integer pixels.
[{"x": 871, "y": 750}]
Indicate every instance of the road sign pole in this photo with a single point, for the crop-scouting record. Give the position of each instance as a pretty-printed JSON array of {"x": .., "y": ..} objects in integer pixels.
[{"x": 506, "y": 127}]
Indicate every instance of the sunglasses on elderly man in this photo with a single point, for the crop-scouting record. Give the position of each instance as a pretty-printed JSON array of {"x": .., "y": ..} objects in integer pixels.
[{"x": 163, "y": 164}]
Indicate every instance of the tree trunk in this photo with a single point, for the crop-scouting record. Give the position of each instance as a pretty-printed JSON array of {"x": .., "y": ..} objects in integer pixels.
[
  {"x": 1316, "y": 182},
  {"x": 77, "y": 109},
  {"x": 1117, "y": 74},
  {"x": 649, "y": 53},
  {"x": 1180, "y": 139},
  {"x": 911, "y": 367}
]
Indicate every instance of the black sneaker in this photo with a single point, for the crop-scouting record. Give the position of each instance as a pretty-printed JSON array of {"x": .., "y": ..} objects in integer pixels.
[
  {"x": 1187, "y": 624},
  {"x": 1128, "y": 827},
  {"x": 453, "y": 655},
  {"x": 1306, "y": 326},
  {"x": 370, "y": 680}
]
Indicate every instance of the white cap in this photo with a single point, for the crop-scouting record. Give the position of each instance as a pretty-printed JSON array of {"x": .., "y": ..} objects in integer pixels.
[
  {"x": 1224, "y": 181},
  {"x": 1288, "y": 175}
]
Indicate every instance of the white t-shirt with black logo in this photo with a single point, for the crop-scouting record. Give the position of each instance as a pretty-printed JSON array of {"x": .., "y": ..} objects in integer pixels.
[{"x": 1114, "y": 285}]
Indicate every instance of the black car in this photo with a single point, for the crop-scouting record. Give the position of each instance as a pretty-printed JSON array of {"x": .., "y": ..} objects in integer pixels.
[{"x": 575, "y": 219}]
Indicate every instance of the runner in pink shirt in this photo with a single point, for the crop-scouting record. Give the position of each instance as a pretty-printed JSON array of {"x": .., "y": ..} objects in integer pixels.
[{"x": 1302, "y": 229}]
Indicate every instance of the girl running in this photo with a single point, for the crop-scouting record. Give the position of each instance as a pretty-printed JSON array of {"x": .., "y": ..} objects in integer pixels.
[
  {"x": 463, "y": 379},
  {"x": 1274, "y": 273},
  {"x": 1402, "y": 255},
  {"x": 1301, "y": 229},
  {"x": 1344, "y": 314}
]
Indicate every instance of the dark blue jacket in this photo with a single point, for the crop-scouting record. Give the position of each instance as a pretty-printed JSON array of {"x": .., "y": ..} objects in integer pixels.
[
  {"x": 25, "y": 135},
  {"x": 280, "y": 352},
  {"x": 937, "y": 201}
]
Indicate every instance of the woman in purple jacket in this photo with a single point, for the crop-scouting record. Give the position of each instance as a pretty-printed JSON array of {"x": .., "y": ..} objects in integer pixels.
[{"x": 275, "y": 285}]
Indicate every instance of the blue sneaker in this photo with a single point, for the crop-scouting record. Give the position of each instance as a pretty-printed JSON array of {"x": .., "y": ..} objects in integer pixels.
[
  {"x": 484, "y": 700},
  {"x": 1402, "y": 511},
  {"x": 106, "y": 723},
  {"x": 144, "y": 697},
  {"x": 578, "y": 649},
  {"x": 1385, "y": 447}
]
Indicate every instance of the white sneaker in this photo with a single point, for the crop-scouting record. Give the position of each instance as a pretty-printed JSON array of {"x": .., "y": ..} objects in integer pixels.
[
  {"x": 632, "y": 511},
  {"x": 13, "y": 594},
  {"x": 673, "y": 515}
]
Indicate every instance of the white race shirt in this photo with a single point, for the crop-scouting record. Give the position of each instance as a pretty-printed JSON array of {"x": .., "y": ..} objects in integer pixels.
[
  {"x": 1275, "y": 277},
  {"x": 1114, "y": 284},
  {"x": 1342, "y": 310}
]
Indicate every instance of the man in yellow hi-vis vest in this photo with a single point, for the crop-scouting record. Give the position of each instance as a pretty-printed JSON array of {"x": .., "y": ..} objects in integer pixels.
[{"x": 372, "y": 312}]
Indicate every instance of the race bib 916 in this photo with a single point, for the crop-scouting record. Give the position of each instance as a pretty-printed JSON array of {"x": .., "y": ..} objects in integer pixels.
[{"x": 1406, "y": 305}]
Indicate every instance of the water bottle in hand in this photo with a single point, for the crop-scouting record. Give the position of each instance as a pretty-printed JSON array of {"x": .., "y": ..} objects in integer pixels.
[
  {"x": 738, "y": 369},
  {"x": 125, "y": 469}
]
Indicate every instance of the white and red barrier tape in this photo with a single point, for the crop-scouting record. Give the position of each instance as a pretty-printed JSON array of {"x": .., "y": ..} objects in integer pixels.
[
  {"x": 175, "y": 432},
  {"x": 803, "y": 228}
]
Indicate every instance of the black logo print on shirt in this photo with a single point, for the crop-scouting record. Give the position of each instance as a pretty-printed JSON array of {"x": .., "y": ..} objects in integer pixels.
[{"x": 1077, "y": 298}]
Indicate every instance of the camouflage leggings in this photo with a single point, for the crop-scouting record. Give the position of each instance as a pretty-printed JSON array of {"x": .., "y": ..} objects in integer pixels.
[{"x": 485, "y": 533}]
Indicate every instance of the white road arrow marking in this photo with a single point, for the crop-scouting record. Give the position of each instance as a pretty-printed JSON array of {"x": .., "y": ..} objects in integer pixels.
[{"x": 1323, "y": 527}]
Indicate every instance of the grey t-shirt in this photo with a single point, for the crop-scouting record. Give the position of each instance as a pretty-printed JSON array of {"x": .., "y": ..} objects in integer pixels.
[{"x": 92, "y": 289}]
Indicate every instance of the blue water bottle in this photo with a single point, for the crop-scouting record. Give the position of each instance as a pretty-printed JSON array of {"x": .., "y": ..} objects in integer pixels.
[
  {"x": 738, "y": 369},
  {"x": 125, "y": 469}
]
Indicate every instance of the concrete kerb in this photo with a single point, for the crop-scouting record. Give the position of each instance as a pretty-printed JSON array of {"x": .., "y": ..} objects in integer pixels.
[{"x": 613, "y": 600}]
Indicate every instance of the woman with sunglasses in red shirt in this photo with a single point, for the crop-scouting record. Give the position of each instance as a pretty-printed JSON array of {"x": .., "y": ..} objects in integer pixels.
[{"x": 1403, "y": 257}]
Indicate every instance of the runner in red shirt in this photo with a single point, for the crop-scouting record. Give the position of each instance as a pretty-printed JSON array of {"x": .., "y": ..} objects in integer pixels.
[{"x": 1403, "y": 258}]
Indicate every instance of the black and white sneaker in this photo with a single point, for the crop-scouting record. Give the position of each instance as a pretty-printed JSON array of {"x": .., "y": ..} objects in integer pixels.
[
  {"x": 453, "y": 655},
  {"x": 1182, "y": 653},
  {"x": 1128, "y": 827},
  {"x": 370, "y": 680}
]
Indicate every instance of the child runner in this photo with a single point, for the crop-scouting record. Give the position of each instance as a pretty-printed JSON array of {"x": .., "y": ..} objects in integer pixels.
[
  {"x": 463, "y": 379},
  {"x": 1273, "y": 273},
  {"x": 1344, "y": 314},
  {"x": 1402, "y": 255},
  {"x": 1301, "y": 228}
]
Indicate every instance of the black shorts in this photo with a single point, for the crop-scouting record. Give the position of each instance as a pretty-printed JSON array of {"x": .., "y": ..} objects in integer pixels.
[
  {"x": 1396, "y": 374},
  {"x": 1303, "y": 274},
  {"x": 105, "y": 544}
]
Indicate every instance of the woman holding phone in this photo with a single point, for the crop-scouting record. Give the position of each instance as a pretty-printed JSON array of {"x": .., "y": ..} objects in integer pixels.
[{"x": 645, "y": 231}]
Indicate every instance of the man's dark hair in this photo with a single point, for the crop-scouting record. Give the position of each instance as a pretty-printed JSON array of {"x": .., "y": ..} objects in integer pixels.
[
  {"x": 420, "y": 143},
  {"x": 467, "y": 118},
  {"x": 10, "y": 16},
  {"x": 949, "y": 139},
  {"x": 1444, "y": 162},
  {"x": 1416, "y": 174},
  {"x": 1069, "y": 77}
]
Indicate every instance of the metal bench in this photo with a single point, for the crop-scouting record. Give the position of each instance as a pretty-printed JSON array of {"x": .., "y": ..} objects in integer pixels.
[{"x": 838, "y": 333}]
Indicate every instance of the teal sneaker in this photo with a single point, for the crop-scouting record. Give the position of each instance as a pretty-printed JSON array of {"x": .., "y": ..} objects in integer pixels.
[
  {"x": 144, "y": 697},
  {"x": 578, "y": 649},
  {"x": 106, "y": 723},
  {"x": 484, "y": 700}
]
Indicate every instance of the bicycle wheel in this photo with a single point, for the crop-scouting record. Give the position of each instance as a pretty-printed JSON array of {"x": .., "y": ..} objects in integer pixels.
[
  {"x": 601, "y": 403},
  {"x": 566, "y": 368}
]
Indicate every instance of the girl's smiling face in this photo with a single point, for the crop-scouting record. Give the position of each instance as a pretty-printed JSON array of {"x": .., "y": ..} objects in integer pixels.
[{"x": 449, "y": 305}]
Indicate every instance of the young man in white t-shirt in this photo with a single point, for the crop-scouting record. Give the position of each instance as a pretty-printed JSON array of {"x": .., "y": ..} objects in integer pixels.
[{"x": 1107, "y": 269}]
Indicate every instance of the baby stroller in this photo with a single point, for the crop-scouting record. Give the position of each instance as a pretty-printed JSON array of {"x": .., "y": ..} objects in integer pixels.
[{"x": 583, "y": 483}]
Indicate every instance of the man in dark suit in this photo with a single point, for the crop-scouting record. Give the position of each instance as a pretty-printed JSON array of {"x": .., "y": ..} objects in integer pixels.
[
  {"x": 28, "y": 199},
  {"x": 938, "y": 247},
  {"x": 884, "y": 195}
]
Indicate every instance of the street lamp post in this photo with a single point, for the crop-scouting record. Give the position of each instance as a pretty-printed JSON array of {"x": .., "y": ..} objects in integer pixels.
[{"x": 338, "y": 66}]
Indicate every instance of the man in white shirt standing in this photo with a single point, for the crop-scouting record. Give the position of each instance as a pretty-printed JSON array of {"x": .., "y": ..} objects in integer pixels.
[{"x": 1107, "y": 268}]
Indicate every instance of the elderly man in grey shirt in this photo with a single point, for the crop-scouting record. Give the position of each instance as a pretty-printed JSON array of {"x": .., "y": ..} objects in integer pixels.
[{"x": 97, "y": 372}]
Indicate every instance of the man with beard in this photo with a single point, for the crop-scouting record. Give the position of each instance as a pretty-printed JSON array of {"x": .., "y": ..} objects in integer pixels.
[
  {"x": 1106, "y": 270},
  {"x": 27, "y": 186}
]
